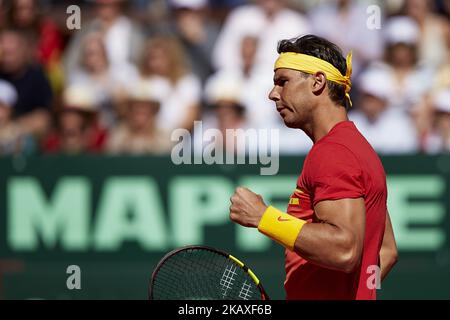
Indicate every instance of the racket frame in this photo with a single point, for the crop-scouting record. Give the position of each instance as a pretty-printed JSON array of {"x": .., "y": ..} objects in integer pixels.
[{"x": 235, "y": 260}]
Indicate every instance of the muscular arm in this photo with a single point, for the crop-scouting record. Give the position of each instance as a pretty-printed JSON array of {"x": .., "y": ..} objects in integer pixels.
[
  {"x": 335, "y": 243},
  {"x": 388, "y": 252}
]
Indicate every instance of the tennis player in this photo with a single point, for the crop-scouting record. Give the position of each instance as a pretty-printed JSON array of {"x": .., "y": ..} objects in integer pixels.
[{"x": 337, "y": 229}]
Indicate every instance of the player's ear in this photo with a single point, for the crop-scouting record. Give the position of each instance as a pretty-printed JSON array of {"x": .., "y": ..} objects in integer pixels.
[{"x": 319, "y": 82}]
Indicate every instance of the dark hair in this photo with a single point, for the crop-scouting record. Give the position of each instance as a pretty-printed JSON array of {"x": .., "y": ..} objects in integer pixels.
[
  {"x": 390, "y": 49},
  {"x": 323, "y": 49},
  {"x": 23, "y": 35}
]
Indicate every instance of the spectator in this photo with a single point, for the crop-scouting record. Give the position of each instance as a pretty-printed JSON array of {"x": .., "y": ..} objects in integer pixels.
[
  {"x": 139, "y": 133},
  {"x": 78, "y": 130},
  {"x": 441, "y": 82},
  {"x": 3, "y": 15},
  {"x": 122, "y": 37},
  {"x": 438, "y": 140},
  {"x": 444, "y": 6},
  {"x": 26, "y": 15},
  {"x": 271, "y": 20},
  {"x": 109, "y": 82},
  {"x": 431, "y": 44},
  {"x": 255, "y": 84},
  {"x": 197, "y": 33},
  {"x": 410, "y": 78},
  {"x": 330, "y": 18},
  {"x": 443, "y": 76},
  {"x": 32, "y": 109},
  {"x": 12, "y": 138},
  {"x": 224, "y": 96},
  {"x": 165, "y": 61},
  {"x": 388, "y": 129}
]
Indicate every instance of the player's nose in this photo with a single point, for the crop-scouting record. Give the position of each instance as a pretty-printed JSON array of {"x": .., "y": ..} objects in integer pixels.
[{"x": 274, "y": 94}]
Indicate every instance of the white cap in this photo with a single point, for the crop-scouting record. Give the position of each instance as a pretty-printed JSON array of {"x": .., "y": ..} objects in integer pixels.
[
  {"x": 441, "y": 101},
  {"x": 378, "y": 83},
  {"x": 189, "y": 4},
  {"x": 8, "y": 94},
  {"x": 150, "y": 90},
  {"x": 80, "y": 97},
  {"x": 223, "y": 86},
  {"x": 402, "y": 30}
]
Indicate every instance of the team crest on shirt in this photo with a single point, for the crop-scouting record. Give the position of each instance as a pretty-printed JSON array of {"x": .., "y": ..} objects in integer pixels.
[
  {"x": 295, "y": 199},
  {"x": 300, "y": 205}
]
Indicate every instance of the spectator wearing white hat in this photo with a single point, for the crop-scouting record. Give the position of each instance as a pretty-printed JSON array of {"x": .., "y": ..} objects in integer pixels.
[
  {"x": 271, "y": 20},
  {"x": 389, "y": 130},
  {"x": 438, "y": 139},
  {"x": 344, "y": 23},
  {"x": 8, "y": 98},
  {"x": 410, "y": 78},
  {"x": 77, "y": 129},
  {"x": 223, "y": 94},
  {"x": 139, "y": 133},
  {"x": 12, "y": 139}
]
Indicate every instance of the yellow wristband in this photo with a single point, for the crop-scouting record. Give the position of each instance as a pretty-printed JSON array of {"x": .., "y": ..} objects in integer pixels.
[{"x": 281, "y": 227}]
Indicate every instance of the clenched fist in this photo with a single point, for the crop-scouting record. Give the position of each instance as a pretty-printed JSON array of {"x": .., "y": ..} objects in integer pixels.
[{"x": 246, "y": 208}]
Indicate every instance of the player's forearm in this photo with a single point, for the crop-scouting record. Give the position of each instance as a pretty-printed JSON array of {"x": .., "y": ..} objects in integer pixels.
[
  {"x": 325, "y": 244},
  {"x": 388, "y": 258},
  {"x": 388, "y": 252},
  {"x": 328, "y": 246},
  {"x": 386, "y": 267}
]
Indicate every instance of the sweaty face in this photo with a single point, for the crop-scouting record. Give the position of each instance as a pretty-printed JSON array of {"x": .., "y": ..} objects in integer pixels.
[{"x": 291, "y": 96}]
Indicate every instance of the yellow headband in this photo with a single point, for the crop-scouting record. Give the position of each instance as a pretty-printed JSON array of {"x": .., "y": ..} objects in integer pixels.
[{"x": 311, "y": 65}]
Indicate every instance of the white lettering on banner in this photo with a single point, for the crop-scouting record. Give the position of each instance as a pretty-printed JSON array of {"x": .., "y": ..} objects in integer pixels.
[
  {"x": 63, "y": 217},
  {"x": 130, "y": 209},
  {"x": 418, "y": 225}
]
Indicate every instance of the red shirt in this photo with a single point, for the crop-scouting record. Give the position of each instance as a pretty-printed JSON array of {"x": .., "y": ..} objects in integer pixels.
[{"x": 340, "y": 165}]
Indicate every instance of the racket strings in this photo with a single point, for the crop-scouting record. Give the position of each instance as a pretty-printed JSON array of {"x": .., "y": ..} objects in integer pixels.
[
  {"x": 201, "y": 274},
  {"x": 188, "y": 271}
]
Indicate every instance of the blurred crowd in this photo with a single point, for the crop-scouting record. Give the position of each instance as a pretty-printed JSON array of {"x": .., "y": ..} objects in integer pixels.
[{"x": 136, "y": 70}]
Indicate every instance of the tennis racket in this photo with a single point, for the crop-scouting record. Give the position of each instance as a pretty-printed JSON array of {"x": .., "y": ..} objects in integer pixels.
[{"x": 203, "y": 273}]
